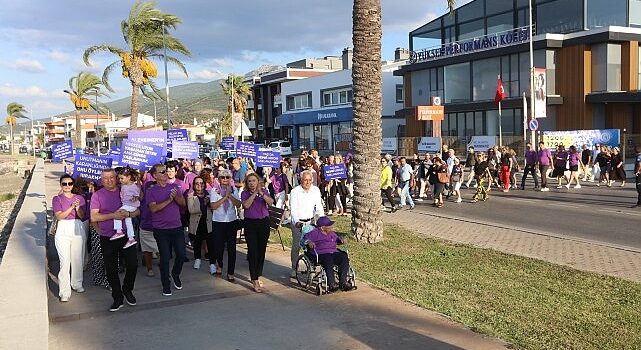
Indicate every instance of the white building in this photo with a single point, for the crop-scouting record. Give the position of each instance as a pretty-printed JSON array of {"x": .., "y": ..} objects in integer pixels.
[{"x": 320, "y": 109}]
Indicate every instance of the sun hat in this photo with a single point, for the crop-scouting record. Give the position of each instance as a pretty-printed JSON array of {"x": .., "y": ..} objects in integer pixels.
[{"x": 324, "y": 221}]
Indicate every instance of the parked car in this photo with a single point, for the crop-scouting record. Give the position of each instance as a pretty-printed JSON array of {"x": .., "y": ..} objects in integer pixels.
[{"x": 284, "y": 147}]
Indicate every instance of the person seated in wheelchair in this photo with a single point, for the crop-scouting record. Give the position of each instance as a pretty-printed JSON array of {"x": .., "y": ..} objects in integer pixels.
[{"x": 322, "y": 241}]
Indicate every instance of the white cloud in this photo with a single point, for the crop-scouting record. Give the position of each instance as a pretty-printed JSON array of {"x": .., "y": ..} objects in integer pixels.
[
  {"x": 208, "y": 74},
  {"x": 59, "y": 56},
  {"x": 26, "y": 65},
  {"x": 30, "y": 91}
]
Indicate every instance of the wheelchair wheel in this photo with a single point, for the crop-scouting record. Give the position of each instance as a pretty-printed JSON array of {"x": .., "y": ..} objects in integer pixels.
[
  {"x": 321, "y": 285},
  {"x": 351, "y": 277},
  {"x": 303, "y": 272}
]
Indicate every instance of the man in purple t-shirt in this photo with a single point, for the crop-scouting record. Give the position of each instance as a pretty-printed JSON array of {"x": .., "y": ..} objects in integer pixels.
[
  {"x": 165, "y": 201},
  {"x": 544, "y": 158},
  {"x": 105, "y": 207},
  {"x": 530, "y": 166}
]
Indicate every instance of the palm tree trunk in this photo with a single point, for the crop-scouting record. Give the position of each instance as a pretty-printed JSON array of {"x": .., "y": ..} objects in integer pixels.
[
  {"x": 366, "y": 78},
  {"x": 78, "y": 139},
  {"x": 134, "y": 106},
  {"x": 11, "y": 137}
]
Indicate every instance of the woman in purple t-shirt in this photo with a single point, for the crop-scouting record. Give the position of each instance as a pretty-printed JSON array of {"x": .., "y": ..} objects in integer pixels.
[
  {"x": 256, "y": 199},
  {"x": 560, "y": 162},
  {"x": 70, "y": 238},
  {"x": 573, "y": 161}
]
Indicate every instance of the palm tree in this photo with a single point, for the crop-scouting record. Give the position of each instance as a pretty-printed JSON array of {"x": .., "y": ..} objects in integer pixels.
[
  {"x": 450, "y": 5},
  {"x": 14, "y": 111},
  {"x": 81, "y": 88},
  {"x": 367, "y": 80},
  {"x": 143, "y": 33},
  {"x": 238, "y": 91}
]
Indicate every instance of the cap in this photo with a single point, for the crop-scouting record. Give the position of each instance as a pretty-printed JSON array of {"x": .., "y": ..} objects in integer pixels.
[
  {"x": 324, "y": 221},
  {"x": 196, "y": 161}
]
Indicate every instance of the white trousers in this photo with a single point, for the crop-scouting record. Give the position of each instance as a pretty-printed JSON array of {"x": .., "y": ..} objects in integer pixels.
[
  {"x": 70, "y": 242},
  {"x": 280, "y": 199},
  {"x": 128, "y": 222}
]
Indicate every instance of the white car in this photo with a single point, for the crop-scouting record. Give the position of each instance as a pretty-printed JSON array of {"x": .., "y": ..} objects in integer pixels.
[{"x": 284, "y": 147}]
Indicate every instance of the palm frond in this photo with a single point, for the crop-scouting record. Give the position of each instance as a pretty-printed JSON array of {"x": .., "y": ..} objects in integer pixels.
[
  {"x": 105, "y": 74},
  {"x": 97, "y": 48}
]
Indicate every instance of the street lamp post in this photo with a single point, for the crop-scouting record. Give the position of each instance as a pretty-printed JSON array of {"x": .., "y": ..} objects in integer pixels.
[{"x": 164, "y": 44}]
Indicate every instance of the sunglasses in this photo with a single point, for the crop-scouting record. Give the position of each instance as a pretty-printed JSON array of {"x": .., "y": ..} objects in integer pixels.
[
  {"x": 199, "y": 183},
  {"x": 66, "y": 183},
  {"x": 162, "y": 171},
  {"x": 224, "y": 177}
]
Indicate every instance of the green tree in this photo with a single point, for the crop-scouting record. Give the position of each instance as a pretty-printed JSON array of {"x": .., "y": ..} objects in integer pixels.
[
  {"x": 82, "y": 88},
  {"x": 238, "y": 91},
  {"x": 15, "y": 111},
  {"x": 143, "y": 33}
]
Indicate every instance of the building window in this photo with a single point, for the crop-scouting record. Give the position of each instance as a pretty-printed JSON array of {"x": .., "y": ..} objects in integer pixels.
[
  {"x": 500, "y": 23},
  {"x": 635, "y": 13},
  {"x": 337, "y": 97},
  {"x": 302, "y": 101},
  {"x": 471, "y": 29},
  {"x": 550, "y": 20},
  {"x": 399, "y": 93},
  {"x": 485, "y": 73},
  {"x": 606, "y": 67},
  {"x": 457, "y": 79},
  {"x": 603, "y": 13}
]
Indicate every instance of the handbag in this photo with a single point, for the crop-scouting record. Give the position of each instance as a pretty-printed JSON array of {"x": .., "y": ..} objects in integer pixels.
[
  {"x": 443, "y": 178},
  {"x": 53, "y": 227}
]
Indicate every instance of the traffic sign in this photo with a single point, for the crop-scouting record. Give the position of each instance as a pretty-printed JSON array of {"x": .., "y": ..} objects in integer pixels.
[{"x": 533, "y": 124}]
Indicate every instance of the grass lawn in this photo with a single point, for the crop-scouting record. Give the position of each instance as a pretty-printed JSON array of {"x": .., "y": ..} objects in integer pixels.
[{"x": 528, "y": 303}]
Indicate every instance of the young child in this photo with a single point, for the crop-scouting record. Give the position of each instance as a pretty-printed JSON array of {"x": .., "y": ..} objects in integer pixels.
[{"x": 130, "y": 197}]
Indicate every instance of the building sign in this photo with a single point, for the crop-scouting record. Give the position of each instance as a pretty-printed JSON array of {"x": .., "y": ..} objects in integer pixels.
[
  {"x": 390, "y": 144},
  {"x": 486, "y": 42},
  {"x": 429, "y": 144},
  {"x": 322, "y": 116},
  {"x": 578, "y": 138},
  {"x": 540, "y": 93},
  {"x": 430, "y": 112},
  {"x": 482, "y": 143}
]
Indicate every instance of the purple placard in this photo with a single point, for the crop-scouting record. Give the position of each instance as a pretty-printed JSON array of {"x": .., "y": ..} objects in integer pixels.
[
  {"x": 141, "y": 156},
  {"x": 176, "y": 135},
  {"x": 246, "y": 149},
  {"x": 153, "y": 137},
  {"x": 90, "y": 167},
  {"x": 114, "y": 154},
  {"x": 267, "y": 158},
  {"x": 335, "y": 171},
  {"x": 227, "y": 143},
  {"x": 185, "y": 149},
  {"x": 62, "y": 150}
]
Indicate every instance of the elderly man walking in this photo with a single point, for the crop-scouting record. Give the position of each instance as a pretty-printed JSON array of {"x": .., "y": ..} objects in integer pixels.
[
  {"x": 105, "y": 207},
  {"x": 305, "y": 202},
  {"x": 404, "y": 178}
]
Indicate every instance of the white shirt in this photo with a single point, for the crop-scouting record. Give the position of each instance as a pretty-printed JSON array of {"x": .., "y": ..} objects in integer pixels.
[
  {"x": 220, "y": 214},
  {"x": 305, "y": 204},
  {"x": 450, "y": 164}
]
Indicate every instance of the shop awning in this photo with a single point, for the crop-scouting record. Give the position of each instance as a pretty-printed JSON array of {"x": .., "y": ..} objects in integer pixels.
[{"x": 318, "y": 116}]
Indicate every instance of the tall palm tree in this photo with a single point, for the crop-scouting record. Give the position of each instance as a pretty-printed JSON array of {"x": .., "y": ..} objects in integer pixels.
[
  {"x": 237, "y": 91},
  {"x": 82, "y": 88},
  {"x": 143, "y": 33},
  {"x": 450, "y": 5},
  {"x": 14, "y": 111},
  {"x": 367, "y": 80}
]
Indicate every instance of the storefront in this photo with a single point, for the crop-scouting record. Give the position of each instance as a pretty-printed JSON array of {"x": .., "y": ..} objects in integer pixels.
[
  {"x": 326, "y": 130},
  {"x": 587, "y": 57}
]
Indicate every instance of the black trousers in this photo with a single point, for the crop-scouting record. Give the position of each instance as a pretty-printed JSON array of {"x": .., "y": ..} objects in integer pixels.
[
  {"x": 638, "y": 184},
  {"x": 544, "y": 175},
  {"x": 110, "y": 252},
  {"x": 529, "y": 169},
  {"x": 339, "y": 259},
  {"x": 256, "y": 235},
  {"x": 167, "y": 240},
  {"x": 387, "y": 192},
  {"x": 224, "y": 233},
  {"x": 203, "y": 236}
]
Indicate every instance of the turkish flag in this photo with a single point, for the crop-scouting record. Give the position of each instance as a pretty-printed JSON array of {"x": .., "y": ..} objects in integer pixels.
[{"x": 500, "y": 92}]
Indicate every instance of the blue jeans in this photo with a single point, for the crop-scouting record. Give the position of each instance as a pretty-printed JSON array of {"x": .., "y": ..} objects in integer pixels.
[
  {"x": 405, "y": 194},
  {"x": 168, "y": 239}
]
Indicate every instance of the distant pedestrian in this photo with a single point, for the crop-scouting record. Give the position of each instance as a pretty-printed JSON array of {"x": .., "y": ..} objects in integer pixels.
[
  {"x": 423, "y": 174},
  {"x": 604, "y": 160},
  {"x": 386, "y": 185},
  {"x": 483, "y": 179},
  {"x": 506, "y": 168},
  {"x": 596, "y": 168},
  {"x": 544, "y": 160},
  {"x": 224, "y": 203},
  {"x": 470, "y": 162},
  {"x": 586, "y": 164},
  {"x": 530, "y": 166},
  {"x": 573, "y": 161},
  {"x": 617, "y": 172},
  {"x": 200, "y": 222},
  {"x": 637, "y": 174},
  {"x": 560, "y": 163},
  {"x": 70, "y": 238},
  {"x": 405, "y": 176},
  {"x": 456, "y": 180},
  {"x": 440, "y": 178}
]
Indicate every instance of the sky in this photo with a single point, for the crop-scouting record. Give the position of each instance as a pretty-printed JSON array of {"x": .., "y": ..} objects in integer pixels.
[{"x": 42, "y": 40}]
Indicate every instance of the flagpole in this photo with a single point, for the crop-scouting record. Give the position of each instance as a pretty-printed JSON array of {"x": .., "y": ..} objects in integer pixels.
[
  {"x": 524, "y": 120},
  {"x": 500, "y": 124},
  {"x": 532, "y": 115}
]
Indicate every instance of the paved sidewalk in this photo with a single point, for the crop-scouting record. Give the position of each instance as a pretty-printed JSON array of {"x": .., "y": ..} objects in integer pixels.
[
  {"x": 575, "y": 253},
  {"x": 211, "y": 313}
]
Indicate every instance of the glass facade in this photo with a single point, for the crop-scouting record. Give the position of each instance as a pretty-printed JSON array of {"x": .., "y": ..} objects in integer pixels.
[
  {"x": 468, "y": 124},
  {"x": 485, "y": 73},
  {"x": 635, "y": 13},
  {"x": 560, "y": 16},
  {"x": 457, "y": 82},
  {"x": 606, "y": 67},
  {"x": 603, "y": 13}
]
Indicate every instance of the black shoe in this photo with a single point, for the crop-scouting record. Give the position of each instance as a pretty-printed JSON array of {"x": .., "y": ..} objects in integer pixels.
[
  {"x": 166, "y": 292},
  {"x": 130, "y": 298},
  {"x": 186, "y": 260},
  {"x": 334, "y": 288},
  {"x": 394, "y": 209},
  {"x": 207, "y": 256},
  {"x": 177, "y": 283},
  {"x": 117, "y": 304},
  {"x": 347, "y": 287}
]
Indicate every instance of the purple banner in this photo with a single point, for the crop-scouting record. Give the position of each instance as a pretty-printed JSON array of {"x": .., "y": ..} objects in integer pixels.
[
  {"x": 176, "y": 135},
  {"x": 141, "y": 156},
  {"x": 267, "y": 158},
  {"x": 62, "y": 150},
  {"x": 335, "y": 172},
  {"x": 150, "y": 137},
  {"x": 227, "y": 143},
  {"x": 185, "y": 149},
  {"x": 246, "y": 149},
  {"x": 90, "y": 167}
]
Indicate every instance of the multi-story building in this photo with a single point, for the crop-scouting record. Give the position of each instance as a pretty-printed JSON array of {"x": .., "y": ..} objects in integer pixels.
[
  {"x": 64, "y": 128},
  {"x": 319, "y": 109},
  {"x": 587, "y": 61},
  {"x": 265, "y": 104}
]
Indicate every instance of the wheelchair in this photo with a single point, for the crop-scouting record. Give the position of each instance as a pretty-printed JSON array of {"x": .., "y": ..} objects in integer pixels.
[{"x": 311, "y": 275}]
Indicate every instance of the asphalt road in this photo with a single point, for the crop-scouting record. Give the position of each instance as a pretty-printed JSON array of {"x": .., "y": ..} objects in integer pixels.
[{"x": 592, "y": 213}]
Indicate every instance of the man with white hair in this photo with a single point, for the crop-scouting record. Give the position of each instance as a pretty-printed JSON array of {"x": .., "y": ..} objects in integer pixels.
[{"x": 305, "y": 202}]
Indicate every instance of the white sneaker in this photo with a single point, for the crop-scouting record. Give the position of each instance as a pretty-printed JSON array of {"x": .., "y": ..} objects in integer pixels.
[
  {"x": 80, "y": 290},
  {"x": 545, "y": 189},
  {"x": 459, "y": 200},
  {"x": 418, "y": 200},
  {"x": 196, "y": 264},
  {"x": 567, "y": 186},
  {"x": 559, "y": 186},
  {"x": 64, "y": 299},
  {"x": 577, "y": 186},
  {"x": 212, "y": 269}
]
